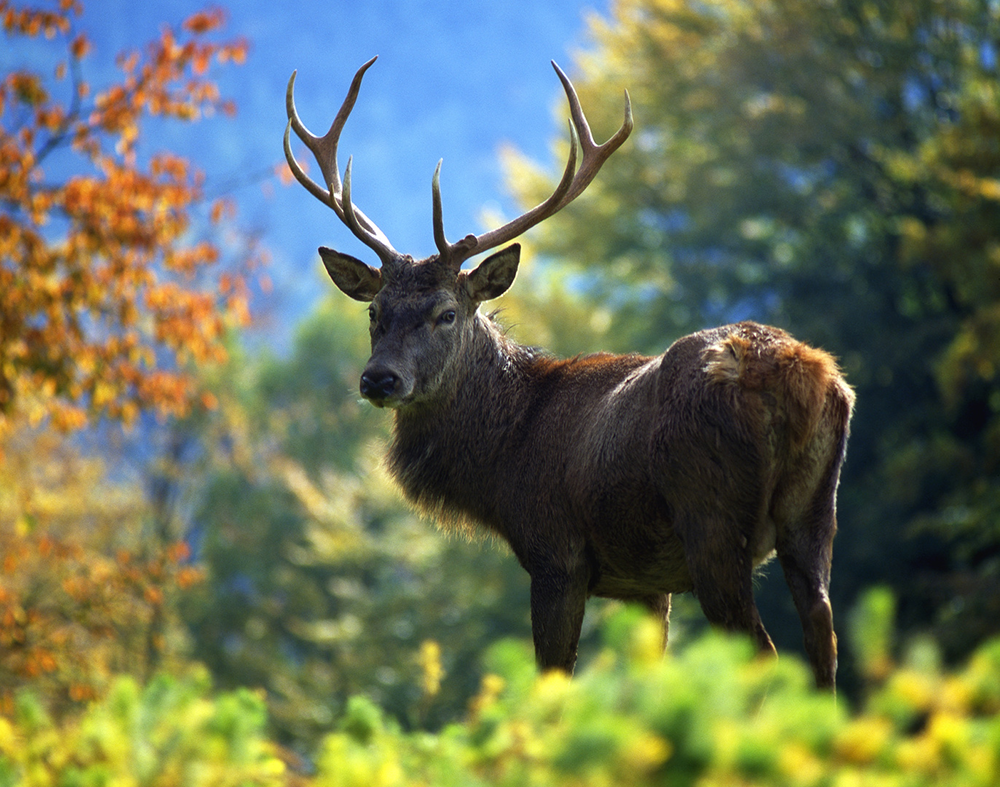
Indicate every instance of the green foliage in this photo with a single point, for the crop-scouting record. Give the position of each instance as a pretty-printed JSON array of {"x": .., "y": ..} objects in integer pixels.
[
  {"x": 174, "y": 731},
  {"x": 710, "y": 713},
  {"x": 871, "y": 628}
]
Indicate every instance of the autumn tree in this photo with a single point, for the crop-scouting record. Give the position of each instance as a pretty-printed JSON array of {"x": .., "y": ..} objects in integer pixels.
[
  {"x": 108, "y": 293},
  {"x": 82, "y": 598},
  {"x": 115, "y": 288}
]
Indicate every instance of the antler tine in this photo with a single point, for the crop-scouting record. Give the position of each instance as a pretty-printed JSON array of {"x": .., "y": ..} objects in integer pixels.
[
  {"x": 324, "y": 149},
  {"x": 449, "y": 251},
  {"x": 571, "y": 185},
  {"x": 594, "y": 155}
]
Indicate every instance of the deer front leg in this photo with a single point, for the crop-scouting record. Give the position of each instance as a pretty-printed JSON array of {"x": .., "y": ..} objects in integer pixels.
[{"x": 558, "y": 598}]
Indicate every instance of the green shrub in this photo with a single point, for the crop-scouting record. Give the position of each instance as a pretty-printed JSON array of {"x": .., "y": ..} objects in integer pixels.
[
  {"x": 711, "y": 714},
  {"x": 174, "y": 731}
]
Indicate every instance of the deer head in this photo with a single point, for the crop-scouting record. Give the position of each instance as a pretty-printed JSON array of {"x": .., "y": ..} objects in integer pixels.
[{"x": 423, "y": 313}]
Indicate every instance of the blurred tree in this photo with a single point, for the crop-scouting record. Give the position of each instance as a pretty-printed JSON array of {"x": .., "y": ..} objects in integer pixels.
[
  {"x": 833, "y": 168},
  {"x": 82, "y": 598},
  {"x": 114, "y": 284},
  {"x": 106, "y": 297}
]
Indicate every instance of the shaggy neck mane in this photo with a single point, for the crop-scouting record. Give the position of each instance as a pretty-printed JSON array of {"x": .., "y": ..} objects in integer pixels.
[{"x": 444, "y": 452}]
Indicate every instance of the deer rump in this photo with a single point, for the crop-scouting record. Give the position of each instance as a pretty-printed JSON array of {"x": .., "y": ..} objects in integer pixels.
[{"x": 621, "y": 476}]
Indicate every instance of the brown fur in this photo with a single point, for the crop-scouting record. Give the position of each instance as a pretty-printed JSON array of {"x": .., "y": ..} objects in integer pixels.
[{"x": 632, "y": 477}]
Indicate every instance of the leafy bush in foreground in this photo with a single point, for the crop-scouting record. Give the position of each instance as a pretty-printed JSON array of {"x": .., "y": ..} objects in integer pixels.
[
  {"x": 708, "y": 714},
  {"x": 712, "y": 714},
  {"x": 174, "y": 731}
]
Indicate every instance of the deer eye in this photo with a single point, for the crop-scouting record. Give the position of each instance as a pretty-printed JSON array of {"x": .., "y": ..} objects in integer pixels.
[
  {"x": 371, "y": 314},
  {"x": 446, "y": 318}
]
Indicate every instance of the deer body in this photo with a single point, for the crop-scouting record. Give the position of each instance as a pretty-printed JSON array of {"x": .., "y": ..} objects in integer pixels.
[
  {"x": 626, "y": 477},
  {"x": 601, "y": 476}
]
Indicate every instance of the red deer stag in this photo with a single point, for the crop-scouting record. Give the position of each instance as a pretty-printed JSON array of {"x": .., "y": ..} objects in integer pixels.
[{"x": 624, "y": 476}]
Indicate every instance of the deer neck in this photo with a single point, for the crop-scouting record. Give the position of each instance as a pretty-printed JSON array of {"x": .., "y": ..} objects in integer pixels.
[{"x": 443, "y": 449}]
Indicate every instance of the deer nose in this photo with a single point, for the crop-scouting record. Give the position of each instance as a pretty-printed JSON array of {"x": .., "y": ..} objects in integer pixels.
[{"x": 378, "y": 385}]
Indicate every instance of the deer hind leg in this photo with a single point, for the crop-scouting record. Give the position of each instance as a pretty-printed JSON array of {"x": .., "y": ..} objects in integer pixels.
[
  {"x": 805, "y": 553},
  {"x": 721, "y": 567},
  {"x": 659, "y": 605}
]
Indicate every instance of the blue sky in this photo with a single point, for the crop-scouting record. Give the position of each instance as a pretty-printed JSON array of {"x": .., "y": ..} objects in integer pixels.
[{"x": 454, "y": 80}]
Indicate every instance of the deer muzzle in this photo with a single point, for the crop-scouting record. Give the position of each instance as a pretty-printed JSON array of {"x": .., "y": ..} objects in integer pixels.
[{"x": 380, "y": 386}]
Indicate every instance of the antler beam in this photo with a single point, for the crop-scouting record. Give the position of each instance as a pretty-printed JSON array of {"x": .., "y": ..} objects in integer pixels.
[
  {"x": 571, "y": 185},
  {"x": 337, "y": 195}
]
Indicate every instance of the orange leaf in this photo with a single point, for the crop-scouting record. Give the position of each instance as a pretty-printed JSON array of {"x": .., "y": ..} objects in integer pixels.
[
  {"x": 80, "y": 47},
  {"x": 209, "y": 401},
  {"x": 205, "y": 21}
]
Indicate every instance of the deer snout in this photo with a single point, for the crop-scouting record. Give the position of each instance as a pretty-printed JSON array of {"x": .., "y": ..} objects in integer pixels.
[{"x": 379, "y": 385}]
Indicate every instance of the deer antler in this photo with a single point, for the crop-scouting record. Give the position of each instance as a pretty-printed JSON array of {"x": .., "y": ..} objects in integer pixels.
[
  {"x": 571, "y": 185},
  {"x": 336, "y": 195}
]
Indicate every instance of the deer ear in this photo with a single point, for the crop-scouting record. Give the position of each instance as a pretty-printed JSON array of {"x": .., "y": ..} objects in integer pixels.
[
  {"x": 494, "y": 274},
  {"x": 354, "y": 278}
]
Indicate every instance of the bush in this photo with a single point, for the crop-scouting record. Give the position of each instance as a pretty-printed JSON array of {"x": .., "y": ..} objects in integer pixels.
[
  {"x": 174, "y": 731},
  {"x": 712, "y": 713}
]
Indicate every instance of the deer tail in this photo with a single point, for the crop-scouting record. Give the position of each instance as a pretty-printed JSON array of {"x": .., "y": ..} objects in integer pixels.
[
  {"x": 804, "y": 380},
  {"x": 808, "y": 377}
]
